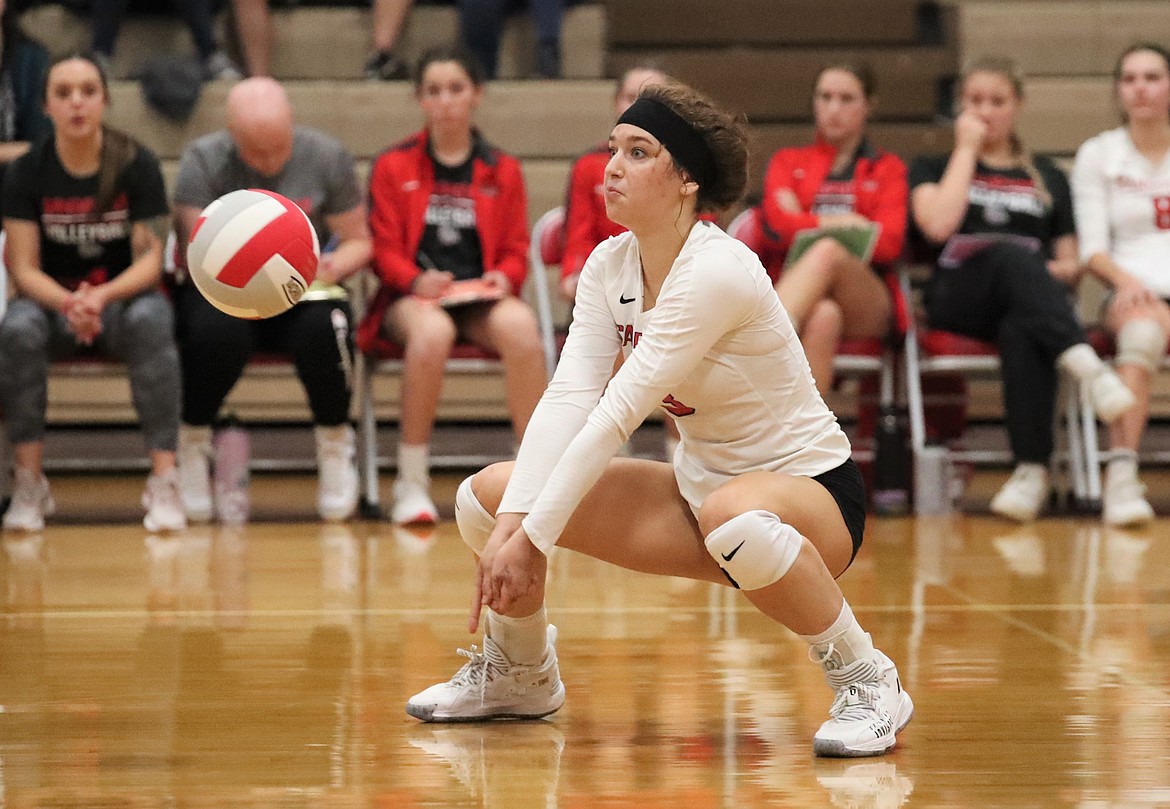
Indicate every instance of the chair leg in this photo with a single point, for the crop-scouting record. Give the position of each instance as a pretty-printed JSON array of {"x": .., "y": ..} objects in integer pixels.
[
  {"x": 369, "y": 506},
  {"x": 1074, "y": 435},
  {"x": 1092, "y": 451}
]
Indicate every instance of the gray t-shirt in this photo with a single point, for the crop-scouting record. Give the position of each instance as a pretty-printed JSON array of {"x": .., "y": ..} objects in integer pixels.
[{"x": 319, "y": 176}]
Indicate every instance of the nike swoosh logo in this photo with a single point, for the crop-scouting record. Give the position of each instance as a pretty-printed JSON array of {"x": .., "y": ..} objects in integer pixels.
[
  {"x": 727, "y": 556},
  {"x": 624, "y": 299}
]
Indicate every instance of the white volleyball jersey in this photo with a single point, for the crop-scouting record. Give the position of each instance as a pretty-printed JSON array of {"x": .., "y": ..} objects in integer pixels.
[
  {"x": 1123, "y": 207},
  {"x": 717, "y": 352}
]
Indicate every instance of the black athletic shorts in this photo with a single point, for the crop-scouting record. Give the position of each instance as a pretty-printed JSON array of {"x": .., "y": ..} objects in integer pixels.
[{"x": 844, "y": 483}]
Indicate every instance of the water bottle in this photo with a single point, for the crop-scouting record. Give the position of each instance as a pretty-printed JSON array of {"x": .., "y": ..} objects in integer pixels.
[
  {"x": 232, "y": 451},
  {"x": 891, "y": 464},
  {"x": 934, "y": 487}
]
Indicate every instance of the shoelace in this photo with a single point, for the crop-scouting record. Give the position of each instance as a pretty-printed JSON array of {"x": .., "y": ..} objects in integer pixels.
[
  {"x": 481, "y": 668},
  {"x": 856, "y": 703},
  {"x": 856, "y": 686}
]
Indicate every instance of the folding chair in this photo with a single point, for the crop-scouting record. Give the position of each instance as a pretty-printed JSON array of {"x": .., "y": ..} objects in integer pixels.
[
  {"x": 935, "y": 351},
  {"x": 545, "y": 247},
  {"x": 861, "y": 358}
]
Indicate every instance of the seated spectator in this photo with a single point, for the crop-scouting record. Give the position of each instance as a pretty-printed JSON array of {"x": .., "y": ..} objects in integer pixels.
[
  {"x": 1001, "y": 224},
  {"x": 254, "y": 27},
  {"x": 481, "y": 24},
  {"x": 107, "y": 16},
  {"x": 446, "y": 206},
  {"x": 22, "y": 75},
  {"x": 85, "y": 212},
  {"x": 841, "y": 180},
  {"x": 1121, "y": 185},
  {"x": 261, "y": 148}
]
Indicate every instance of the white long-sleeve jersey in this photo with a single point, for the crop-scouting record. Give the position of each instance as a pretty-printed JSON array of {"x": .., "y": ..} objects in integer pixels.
[
  {"x": 717, "y": 352},
  {"x": 1122, "y": 205}
]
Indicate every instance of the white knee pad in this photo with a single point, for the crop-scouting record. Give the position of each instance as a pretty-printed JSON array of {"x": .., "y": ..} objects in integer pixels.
[
  {"x": 754, "y": 549},
  {"x": 1142, "y": 343},
  {"x": 475, "y": 524}
]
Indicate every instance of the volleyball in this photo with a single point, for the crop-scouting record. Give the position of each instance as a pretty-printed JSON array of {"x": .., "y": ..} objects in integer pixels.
[{"x": 253, "y": 253}]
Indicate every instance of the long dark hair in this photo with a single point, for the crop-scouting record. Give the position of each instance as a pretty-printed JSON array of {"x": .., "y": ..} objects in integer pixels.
[
  {"x": 118, "y": 149},
  {"x": 724, "y": 133}
]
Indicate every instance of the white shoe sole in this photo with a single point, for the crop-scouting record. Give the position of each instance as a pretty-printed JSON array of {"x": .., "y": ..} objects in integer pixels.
[
  {"x": 1017, "y": 514},
  {"x": 1130, "y": 517},
  {"x": 427, "y": 713},
  {"x": 835, "y": 748}
]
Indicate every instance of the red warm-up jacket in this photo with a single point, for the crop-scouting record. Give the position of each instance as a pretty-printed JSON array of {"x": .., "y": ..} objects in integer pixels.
[
  {"x": 879, "y": 186},
  {"x": 401, "y": 181}
]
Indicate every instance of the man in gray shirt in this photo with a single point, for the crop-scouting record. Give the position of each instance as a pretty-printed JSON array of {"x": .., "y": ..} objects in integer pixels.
[{"x": 262, "y": 148}]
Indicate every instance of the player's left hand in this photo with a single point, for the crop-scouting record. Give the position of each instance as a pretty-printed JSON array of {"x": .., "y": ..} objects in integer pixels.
[{"x": 517, "y": 571}]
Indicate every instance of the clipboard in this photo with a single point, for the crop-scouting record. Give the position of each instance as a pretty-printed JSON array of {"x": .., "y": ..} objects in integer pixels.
[{"x": 859, "y": 241}]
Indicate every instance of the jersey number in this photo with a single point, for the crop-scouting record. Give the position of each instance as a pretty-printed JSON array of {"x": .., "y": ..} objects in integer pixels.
[
  {"x": 676, "y": 408},
  {"x": 1162, "y": 212}
]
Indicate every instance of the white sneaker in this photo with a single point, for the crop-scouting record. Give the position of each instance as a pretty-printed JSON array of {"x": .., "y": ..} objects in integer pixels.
[
  {"x": 490, "y": 686},
  {"x": 163, "y": 503},
  {"x": 866, "y": 784},
  {"x": 31, "y": 501},
  {"x": 1022, "y": 497},
  {"x": 413, "y": 504},
  {"x": 194, "y": 462},
  {"x": 337, "y": 478},
  {"x": 869, "y": 710},
  {"x": 1123, "y": 500},
  {"x": 1109, "y": 395}
]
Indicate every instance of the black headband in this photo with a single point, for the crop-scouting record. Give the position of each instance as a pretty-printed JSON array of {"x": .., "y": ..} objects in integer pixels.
[{"x": 680, "y": 138}]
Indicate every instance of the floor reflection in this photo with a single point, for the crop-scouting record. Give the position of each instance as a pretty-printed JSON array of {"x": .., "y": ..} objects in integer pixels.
[{"x": 268, "y": 666}]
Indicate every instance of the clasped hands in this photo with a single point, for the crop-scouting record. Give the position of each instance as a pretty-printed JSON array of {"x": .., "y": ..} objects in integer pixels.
[
  {"x": 83, "y": 309},
  {"x": 511, "y": 569}
]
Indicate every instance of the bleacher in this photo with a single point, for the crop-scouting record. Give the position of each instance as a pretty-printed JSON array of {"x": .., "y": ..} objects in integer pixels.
[{"x": 757, "y": 56}]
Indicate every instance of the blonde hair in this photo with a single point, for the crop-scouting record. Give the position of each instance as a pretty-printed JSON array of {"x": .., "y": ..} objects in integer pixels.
[{"x": 1008, "y": 69}]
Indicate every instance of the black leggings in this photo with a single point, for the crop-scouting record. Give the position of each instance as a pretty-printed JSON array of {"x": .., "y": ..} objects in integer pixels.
[
  {"x": 1006, "y": 295},
  {"x": 215, "y": 347}
]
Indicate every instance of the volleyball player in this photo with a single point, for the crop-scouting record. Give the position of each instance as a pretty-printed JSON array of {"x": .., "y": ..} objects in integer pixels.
[{"x": 762, "y": 495}]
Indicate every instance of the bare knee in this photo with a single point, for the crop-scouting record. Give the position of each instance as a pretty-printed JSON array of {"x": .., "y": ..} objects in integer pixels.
[
  {"x": 489, "y": 483},
  {"x": 825, "y": 322},
  {"x": 513, "y": 329},
  {"x": 727, "y": 502},
  {"x": 825, "y": 253}
]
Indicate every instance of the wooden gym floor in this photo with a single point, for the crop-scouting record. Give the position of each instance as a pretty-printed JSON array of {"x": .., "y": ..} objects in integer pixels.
[{"x": 268, "y": 666}]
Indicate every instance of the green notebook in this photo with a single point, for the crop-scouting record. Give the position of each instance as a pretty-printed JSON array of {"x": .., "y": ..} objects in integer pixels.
[{"x": 857, "y": 240}]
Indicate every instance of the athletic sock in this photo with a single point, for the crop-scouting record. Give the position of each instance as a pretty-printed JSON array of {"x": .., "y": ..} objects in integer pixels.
[
  {"x": 845, "y": 637},
  {"x": 523, "y": 640}
]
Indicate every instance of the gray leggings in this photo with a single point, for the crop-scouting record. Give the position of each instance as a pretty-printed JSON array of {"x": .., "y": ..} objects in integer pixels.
[{"x": 139, "y": 331}]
